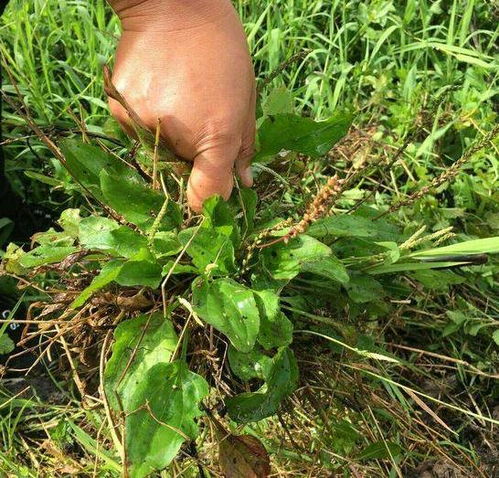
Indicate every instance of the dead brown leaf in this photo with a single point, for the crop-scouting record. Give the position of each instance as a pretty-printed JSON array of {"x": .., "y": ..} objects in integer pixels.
[{"x": 241, "y": 456}]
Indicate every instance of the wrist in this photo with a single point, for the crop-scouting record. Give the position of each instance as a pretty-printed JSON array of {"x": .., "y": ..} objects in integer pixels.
[{"x": 168, "y": 15}]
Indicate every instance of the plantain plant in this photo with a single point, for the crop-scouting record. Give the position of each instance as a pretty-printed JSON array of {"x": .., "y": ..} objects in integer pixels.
[{"x": 232, "y": 269}]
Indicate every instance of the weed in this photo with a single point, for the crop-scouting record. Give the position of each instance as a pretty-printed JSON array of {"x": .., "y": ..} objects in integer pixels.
[{"x": 394, "y": 333}]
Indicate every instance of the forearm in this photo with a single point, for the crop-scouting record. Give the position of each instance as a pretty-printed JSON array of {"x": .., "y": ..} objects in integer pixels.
[{"x": 166, "y": 15}]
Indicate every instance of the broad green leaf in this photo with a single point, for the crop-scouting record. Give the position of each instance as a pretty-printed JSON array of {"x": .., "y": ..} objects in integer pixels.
[
  {"x": 166, "y": 243},
  {"x": 70, "y": 221},
  {"x": 344, "y": 436},
  {"x": 231, "y": 308},
  {"x": 172, "y": 267},
  {"x": 103, "y": 234},
  {"x": 153, "y": 338},
  {"x": 125, "y": 242},
  {"x": 300, "y": 134},
  {"x": 363, "y": 288},
  {"x": 249, "y": 200},
  {"x": 107, "y": 274},
  {"x": 141, "y": 269},
  {"x": 85, "y": 163},
  {"x": 353, "y": 226},
  {"x": 94, "y": 232},
  {"x": 160, "y": 398},
  {"x": 44, "y": 255},
  {"x": 6, "y": 228},
  {"x": 172, "y": 394},
  {"x": 262, "y": 281},
  {"x": 457, "y": 316},
  {"x": 279, "y": 101},
  {"x": 12, "y": 257},
  {"x": 393, "y": 254},
  {"x": 218, "y": 216},
  {"x": 6, "y": 344},
  {"x": 276, "y": 330},
  {"x": 285, "y": 261},
  {"x": 475, "y": 246},
  {"x": 281, "y": 381},
  {"x": 437, "y": 280},
  {"x": 53, "y": 238},
  {"x": 207, "y": 247},
  {"x": 329, "y": 267},
  {"x": 112, "y": 129},
  {"x": 141, "y": 272},
  {"x": 362, "y": 248},
  {"x": 137, "y": 202},
  {"x": 379, "y": 451},
  {"x": 253, "y": 364},
  {"x": 495, "y": 336}
]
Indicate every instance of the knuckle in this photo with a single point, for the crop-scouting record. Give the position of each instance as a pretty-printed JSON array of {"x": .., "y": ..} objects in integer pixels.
[
  {"x": 218, "y": 133},
  {"x": 247, "y": 150}
]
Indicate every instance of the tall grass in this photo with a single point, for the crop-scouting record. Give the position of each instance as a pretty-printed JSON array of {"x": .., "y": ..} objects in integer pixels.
[
  {"x": 55, "y": 52},
  {"x": 386, "y": 60},
  {"x": 357, "y": 53}
]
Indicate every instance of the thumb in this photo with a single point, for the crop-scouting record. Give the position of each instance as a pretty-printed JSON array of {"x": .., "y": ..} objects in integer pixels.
[{"x": 211, "y": 174}]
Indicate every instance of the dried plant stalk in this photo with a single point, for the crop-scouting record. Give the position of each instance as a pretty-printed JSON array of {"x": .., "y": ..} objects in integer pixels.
[
  {"x": 448, "y": 175},
  {"x": 257, "y": 242},
  {"x": 319, "y": 207}
]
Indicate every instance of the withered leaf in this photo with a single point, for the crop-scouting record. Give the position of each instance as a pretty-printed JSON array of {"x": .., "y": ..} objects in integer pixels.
[{"x": 242, "y": 456}]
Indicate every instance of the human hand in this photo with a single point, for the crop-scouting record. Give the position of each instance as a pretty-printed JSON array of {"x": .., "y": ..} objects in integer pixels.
[{"x": 187, "y": 64}]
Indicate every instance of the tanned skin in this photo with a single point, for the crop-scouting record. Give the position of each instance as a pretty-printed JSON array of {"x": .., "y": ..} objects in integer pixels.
[{"x": 187, "y": 63}]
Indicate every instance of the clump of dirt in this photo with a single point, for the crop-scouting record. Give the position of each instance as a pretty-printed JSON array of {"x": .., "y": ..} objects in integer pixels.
[{"x": 439, "y": 469}]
